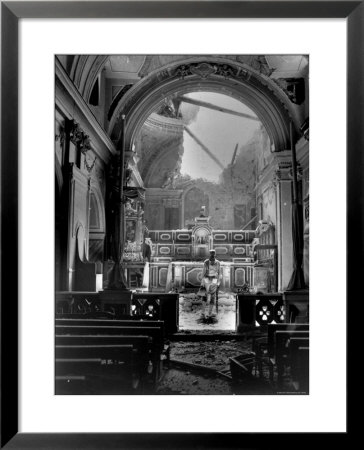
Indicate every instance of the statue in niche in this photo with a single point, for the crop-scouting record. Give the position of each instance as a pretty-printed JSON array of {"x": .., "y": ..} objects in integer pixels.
[
  {"x": 130, "y": 230},
  {"x": 129, "y": 210}
]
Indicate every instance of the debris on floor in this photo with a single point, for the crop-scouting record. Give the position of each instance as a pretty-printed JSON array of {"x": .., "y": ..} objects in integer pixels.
[
  {"x": 191, "y": 308},
  {"x": 214, "y": 354},
  {"x": 203, "y": 368}
]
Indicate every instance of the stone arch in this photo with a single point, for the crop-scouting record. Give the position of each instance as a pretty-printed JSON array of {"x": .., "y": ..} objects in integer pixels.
[
  {"x": 84, "y": 71},
  {"x": 216, "y": 74},
  {"x": 185, "y": 197}
]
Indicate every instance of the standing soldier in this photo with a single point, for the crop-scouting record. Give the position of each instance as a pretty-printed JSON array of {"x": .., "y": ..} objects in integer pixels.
[{"x": 211, "y": 276}]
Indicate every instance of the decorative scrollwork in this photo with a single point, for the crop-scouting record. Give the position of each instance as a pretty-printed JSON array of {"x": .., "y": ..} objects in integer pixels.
[
  {"x": 79, "y": 138},
  {"x": 205, "y": 69},
  {"x": 88, "y": 167},
  {"x": 226, "y": 71},
  {"x": 183, "y": 71}
]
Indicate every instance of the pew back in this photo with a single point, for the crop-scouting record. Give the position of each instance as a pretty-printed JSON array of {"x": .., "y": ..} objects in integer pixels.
[
  {"x": 140, "y": 344},
  {"x": 121, "y": 353},
  {"x": 281, "y": 340},
  {"x": 272, "y": 328},
  {"x": 98, "y": 330},
  {"x": 76, "y": 321},
  {"x": 99, "y": 369}
]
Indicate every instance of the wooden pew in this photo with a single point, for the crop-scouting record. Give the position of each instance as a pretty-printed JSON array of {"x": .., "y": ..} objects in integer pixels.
[
  {"x": 120, "y": 353},
  {"x": 105, "y": 369},
  {"x": 101, "y": 315},
  {"x": 241, "y": 366},
  {"x": 77, "y": 321},
  {"x": 281, "y": 349},
  {"x": 123, "y": 323},
  {"x": 299, "y": 362},
  {"x": 73, "y": 385},
  {"x": 272, "y": 328},
  {"x": 140, "y": 344},
  {"x": 264, "y": 346},
  {"x": 303, "y": 369},
  {"x": 155, "y": 334}
]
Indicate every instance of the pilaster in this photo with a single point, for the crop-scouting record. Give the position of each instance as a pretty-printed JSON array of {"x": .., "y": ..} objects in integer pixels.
[{"x": 275, "y": 192}]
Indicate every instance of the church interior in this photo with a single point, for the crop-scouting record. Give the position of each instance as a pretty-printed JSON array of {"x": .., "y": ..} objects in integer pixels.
[{"x": 160, "y": 159}]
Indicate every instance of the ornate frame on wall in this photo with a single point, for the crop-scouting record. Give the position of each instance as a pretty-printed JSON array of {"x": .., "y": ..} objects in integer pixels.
[{"x": 11, "y": 12}]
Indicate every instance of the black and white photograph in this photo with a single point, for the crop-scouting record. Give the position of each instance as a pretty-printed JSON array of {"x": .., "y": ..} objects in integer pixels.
[{"x": 181, "y": 224}]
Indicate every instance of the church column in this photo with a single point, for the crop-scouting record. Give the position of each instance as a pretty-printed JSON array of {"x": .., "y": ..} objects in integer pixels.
[
  {"x": 302, "y": 149},
  {"x": 274, "y": 194},
  {"x": 70, "y": 243},
  {"x": 283, "y": 183}
]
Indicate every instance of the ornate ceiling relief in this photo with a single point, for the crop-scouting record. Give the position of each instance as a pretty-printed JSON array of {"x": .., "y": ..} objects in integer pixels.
[
  {"x": 251, "y": 87},
  {"x": 204, "y": 70}
]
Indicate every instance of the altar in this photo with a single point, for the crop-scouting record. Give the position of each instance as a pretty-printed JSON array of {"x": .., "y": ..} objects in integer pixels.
[
  {"x": 176, "y": 257},
  {"x": 187, "y": 275}
]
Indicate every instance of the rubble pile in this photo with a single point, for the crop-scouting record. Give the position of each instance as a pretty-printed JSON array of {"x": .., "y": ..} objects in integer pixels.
[
  {"x": 212, "y": 355},
  {"x": 191, "y": 308}
]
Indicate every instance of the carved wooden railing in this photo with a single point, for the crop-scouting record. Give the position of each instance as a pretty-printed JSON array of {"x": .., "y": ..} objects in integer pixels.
[{"x": 259, "y": 310}]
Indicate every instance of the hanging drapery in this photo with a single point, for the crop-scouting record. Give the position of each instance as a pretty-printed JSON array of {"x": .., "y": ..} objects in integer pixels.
[
  {"x": 297, "y": 280},
  {"x": 117, "y": 278}
]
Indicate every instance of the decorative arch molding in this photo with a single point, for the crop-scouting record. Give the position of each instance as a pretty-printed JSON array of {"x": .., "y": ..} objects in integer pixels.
[
  {"x": 221, "y": 75},
  {"x": 85, "y": 69},
  {"x": 100, "y": 210}
]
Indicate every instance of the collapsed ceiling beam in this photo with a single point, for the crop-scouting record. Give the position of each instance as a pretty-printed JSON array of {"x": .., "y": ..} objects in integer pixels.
[
  {"x": 217, "y": 108},
  {"x": 234, "y": 154},
  {"x": 211, "y": 155}
]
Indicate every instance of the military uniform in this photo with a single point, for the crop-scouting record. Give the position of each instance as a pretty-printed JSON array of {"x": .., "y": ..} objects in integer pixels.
[{"x": 211, "y": 280}]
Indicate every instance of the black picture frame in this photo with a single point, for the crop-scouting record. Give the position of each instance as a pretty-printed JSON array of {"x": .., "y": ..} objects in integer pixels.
[{"x": 11, "y": 12}]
